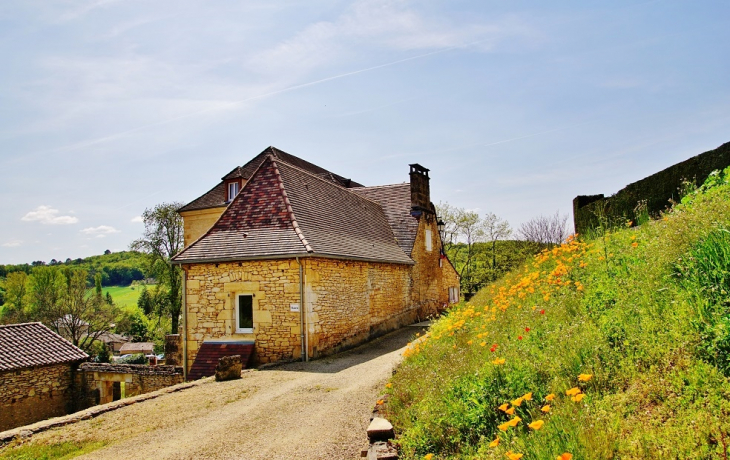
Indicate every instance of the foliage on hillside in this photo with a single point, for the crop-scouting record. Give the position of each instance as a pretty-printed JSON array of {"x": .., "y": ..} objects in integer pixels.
[
  {"x": 615, "y": 346},
  {"x": 116, "y": 268}
]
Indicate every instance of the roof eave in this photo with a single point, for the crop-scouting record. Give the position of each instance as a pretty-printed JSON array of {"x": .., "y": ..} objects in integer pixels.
[{"x": 292, "y": 256}]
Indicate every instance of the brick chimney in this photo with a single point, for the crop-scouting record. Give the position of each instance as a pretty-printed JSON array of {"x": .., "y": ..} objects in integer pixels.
[{"x": 420, "y": 190}]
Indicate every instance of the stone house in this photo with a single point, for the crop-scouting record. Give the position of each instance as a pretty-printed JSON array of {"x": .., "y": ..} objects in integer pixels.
[
  {"x": 37, "y": 374},
  {"x": 294, "y": 261}
]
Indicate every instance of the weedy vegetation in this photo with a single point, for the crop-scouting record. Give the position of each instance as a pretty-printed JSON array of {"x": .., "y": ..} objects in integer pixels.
[{"x": 611, "y": 345}]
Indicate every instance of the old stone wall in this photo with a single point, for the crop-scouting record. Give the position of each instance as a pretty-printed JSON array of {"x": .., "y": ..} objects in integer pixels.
[
  {"x": 211, "y": 292},
  {"x": 433, "y": 274},
  {"x": 656, "y": 190},
  {"x": 95, "y": 381},
  {"x": 350, "y": 301},
  {"x": 34, "y": 394}
]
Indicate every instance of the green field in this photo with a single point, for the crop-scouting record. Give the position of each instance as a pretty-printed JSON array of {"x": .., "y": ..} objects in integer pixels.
[{"x": 125, "y": 296}]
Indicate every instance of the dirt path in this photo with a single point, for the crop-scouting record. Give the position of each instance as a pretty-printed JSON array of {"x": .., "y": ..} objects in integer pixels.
[{"x": 316, "y": 410}]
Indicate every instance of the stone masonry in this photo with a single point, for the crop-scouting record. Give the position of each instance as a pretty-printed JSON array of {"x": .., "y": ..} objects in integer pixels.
[{"x": 35, "y": 393}]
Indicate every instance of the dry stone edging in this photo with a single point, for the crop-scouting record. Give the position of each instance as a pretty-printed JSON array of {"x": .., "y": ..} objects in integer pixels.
[
  {"x": 27, "y": 431},
  {"x": 380, "y": 432}
]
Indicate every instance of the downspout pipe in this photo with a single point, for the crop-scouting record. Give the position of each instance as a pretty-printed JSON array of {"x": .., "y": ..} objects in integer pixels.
[
  {"x": 185, "y": 324},
  {"x": 303, "y": 337}
]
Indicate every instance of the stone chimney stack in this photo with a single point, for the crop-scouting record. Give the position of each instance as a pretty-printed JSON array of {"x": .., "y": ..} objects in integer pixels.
[{"x": 420, "y": 190}]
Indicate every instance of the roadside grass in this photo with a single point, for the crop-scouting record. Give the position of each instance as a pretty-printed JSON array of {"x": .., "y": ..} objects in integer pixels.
[
  {"x": 59, "y": 451},
  {"x": 619, "y": 343}
]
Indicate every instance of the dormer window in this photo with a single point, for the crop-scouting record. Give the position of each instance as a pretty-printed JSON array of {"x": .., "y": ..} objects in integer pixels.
[{"x": 232, "y": 190}]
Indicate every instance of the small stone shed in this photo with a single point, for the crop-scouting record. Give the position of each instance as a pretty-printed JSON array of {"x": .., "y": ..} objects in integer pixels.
[
  {"x": 37, "y": 374},
  {"x": 300, "y": 262},
  {"x": 101, "y": 383}
]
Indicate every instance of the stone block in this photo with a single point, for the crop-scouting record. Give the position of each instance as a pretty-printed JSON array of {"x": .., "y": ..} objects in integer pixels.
[
  {"x": 291, "y": 288},
  {"x": 261, "y": 316},
  {"x": 241, "y": 286},
  {"x": 380, "y": 430},
  {"x": 228, "y": 368},
  {"x": 193, "y": 284}
]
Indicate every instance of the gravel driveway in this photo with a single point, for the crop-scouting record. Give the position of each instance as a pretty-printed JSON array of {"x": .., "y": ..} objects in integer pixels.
[{"x": 315, "y": 410}]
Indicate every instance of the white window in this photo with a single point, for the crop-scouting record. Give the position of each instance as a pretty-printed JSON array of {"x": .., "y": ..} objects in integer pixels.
[
  {"x": 428, "y": 240},
  {"x": 244, "y": 313},
  {"x": 232, "y": 190}
]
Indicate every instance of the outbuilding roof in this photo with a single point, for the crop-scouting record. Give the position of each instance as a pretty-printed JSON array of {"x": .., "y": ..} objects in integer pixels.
[
  {"x": 33, "y": 344},
  {"x": 216, "y": 197},
  {"x": 284, "y": 210},
  {"x": 137, "y": 347}
]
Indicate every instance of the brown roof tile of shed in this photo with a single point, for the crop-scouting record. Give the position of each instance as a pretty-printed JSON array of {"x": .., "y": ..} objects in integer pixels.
[
  {"x": 33, "y": 344},
  {"x": 396, "y": 202},
  {"x": 284, "y": 210},
  {"x": 216, "y": 197},
  {"x": 137, "y": 347}
]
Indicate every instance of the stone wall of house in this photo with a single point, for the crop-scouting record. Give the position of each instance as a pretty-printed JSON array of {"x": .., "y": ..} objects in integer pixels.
[
  {"x": 350, "y": 301},
  {"x": 211, "y": 292},
  {"x": 95, "y": 381},
  {"x": 196, "y": 223},
  {"x": 433, "y": 274},
  {"x": 346, "y": 302},
  {"x": 33, "y": 394}
]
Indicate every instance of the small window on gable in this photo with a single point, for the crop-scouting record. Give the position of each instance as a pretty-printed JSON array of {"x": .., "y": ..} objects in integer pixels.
[
  {"x": 232, "y": 190},
  {"x": 428, "y": 240},
  {"x": 244, "y": 313}
]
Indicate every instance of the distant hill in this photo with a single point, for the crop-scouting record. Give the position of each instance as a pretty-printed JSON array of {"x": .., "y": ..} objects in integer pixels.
[{"x": 116, "y": 268}]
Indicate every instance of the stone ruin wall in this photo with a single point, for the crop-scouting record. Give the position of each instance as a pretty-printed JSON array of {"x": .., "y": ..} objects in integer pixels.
[{"x": 656, "y": 190}]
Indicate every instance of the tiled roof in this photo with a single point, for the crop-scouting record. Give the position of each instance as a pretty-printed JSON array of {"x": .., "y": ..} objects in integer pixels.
[
  {"x": 136, "y": 347},
  {"x": 33, "y": 344},
  {"x": 284, "y": 210},
  {"x": 396, "y": 202},
  {"x": 216, "y": 197}
]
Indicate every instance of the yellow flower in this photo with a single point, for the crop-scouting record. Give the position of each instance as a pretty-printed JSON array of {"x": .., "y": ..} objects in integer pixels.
[
  {"x": 504, "y": 427},
  {"x": 494, "y": 443},
  {"x": 585, "y": 377},
  {"x": 578, "y": 397},
  {"x": 498, "y": 361},
  {"x": 536, "y": 425},
  {"x": 565, "y": 456},
  {"x": 513, "y": 456},
  {"x": 388, "y": 385},
  {"x": 428, "y": 457},
  {"x": 527, "y": 396},
  {"x": 503, "y": 407},
  {"x": 510, "y": 411},
  {"x": 513, "y": 423},
  {"x": 469, "y": 342},
  {"x": 379, "y": 402},
  {"x": 634, "y": 244},
  {"x": 546, "y": 408},
  {"x": 550, "y": 397},
  {"x": 517, "y": 402},
  {"x": 573, "y": 391}
]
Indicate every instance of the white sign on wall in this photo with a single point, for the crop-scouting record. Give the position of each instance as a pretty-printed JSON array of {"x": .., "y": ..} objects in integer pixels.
[{"x": 293, "y": 307}]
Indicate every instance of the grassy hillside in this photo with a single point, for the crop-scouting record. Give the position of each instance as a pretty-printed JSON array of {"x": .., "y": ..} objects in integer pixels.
[
  {"x": 617, "y": 346},
  {"x": 125, "y": 296}
]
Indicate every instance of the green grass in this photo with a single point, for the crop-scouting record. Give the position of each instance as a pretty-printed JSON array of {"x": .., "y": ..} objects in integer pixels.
[
  {"x": 125, "y": 296},
  {"x": 644, "y": 311},
  {"x": 61, "y": 451}
]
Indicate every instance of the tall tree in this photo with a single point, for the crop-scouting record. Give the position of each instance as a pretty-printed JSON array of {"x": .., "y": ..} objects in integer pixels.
[
  {"x": 162, "y": 239},
  {"x": 16, "y": 298},
  {"x": 495, "y": 228},
  {"x": 548, "y": 230}
]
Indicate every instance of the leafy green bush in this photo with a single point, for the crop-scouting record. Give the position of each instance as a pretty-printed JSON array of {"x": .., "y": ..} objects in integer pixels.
[{"x": 138, "y": 358}]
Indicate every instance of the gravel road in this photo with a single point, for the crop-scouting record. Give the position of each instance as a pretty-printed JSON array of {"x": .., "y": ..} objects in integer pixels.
[{"x": 315, "y": 410}]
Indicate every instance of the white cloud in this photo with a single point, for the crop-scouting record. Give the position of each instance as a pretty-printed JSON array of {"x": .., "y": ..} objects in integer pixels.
[
  {"x": 99, "y": 232},
  {"x": 13, "y": 243},
  {"x": 48, "y": 216},
  {"x": 137, "y": 219}
]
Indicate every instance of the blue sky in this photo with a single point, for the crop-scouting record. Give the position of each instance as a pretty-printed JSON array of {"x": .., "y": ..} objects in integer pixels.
[{"x": 108, "y": 107}]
